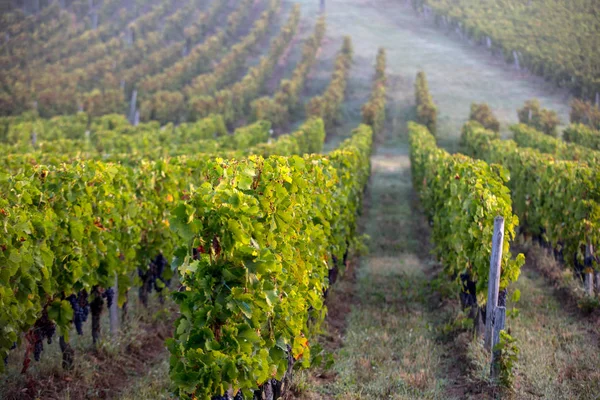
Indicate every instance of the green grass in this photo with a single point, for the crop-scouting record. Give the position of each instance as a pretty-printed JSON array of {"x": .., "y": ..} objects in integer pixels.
[
  {"x": 154, "y": 385},
  {"x": 392, "y": 347}
]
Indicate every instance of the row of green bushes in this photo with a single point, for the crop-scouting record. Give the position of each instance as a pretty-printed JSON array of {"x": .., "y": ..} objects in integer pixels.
[{"x": 426, "y": 109}]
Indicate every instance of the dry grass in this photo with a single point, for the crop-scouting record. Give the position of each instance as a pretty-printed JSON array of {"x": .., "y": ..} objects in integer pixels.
[
  {"x": 559, "y": 345},
  {"x": 567, "y": 285}
]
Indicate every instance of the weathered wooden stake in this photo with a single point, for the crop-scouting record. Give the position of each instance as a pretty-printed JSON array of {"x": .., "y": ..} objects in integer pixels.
[
  {"x": 499, "y": 320},
  {"x": 589, "y": 276},
  {"x": 94, "y": 20},
  {"x": 589, "y": 283},
  {"x": 133, "y": 106},
  {"x": 113, "y": 310},
  {"x": 494, "y": 279}
]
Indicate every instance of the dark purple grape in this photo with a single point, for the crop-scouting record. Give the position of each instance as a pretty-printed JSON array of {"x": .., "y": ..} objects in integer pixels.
[
  {"x": 109, "y": 295},
  {"x": 96, "y": 309},
  {"x": 44, "y": 329},
  {"x": 37, "y": 349},
  {"x": 82, "y": 298},
  {"x": 77, "y": 313},
  {"x": 158, "y": 267},
  {"x": 49, "y": 330}
]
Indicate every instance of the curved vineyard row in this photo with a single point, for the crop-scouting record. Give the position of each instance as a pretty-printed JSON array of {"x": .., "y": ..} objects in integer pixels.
[
  {"x": 199, "y": 59},
  {"x": 233, "y": 102},
  {"x": 60, "y": 90},
  {"x": 426, "y": 109},
  {"x": 170, "y": 104},
  {"x": 277, "y": 108},
  {"x": 328, "y": 105},
  {"x": 373, "y": 111}
]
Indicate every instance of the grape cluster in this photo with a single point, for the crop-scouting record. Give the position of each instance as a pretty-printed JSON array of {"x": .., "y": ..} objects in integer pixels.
[
  {"x": 153, "y": 274},
  {"x": 109, "y": 295},
  {"x": 96, "y": 306},
  {"x": 43, "y": 328},
  {"x": 82, "y": 297},
  {"x": 238, "y": 396},
  {"x": 50, "y": 330},
  {"x": 80, "y": 310},
  {"x": 37, "y": 350},
  {"x": 158, "y": 267}
]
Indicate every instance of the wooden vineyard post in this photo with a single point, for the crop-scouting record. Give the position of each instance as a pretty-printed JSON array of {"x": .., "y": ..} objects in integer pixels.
[
  {"x": 133, "y": 105},
  {"x": 499, "y": 320},
  {"x": 113, "y": 310},
  {"x": 589, "y": 274},
  {"x": 95, "y": 20},
  {"x": 589, "y": 283},
  {"x": 494, "y": 280}
]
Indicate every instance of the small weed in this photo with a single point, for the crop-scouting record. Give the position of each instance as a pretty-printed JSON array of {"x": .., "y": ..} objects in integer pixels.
[
  {"x": 447, "y": 288},
  {"x": 461, "y": 323},
  {"x": 507, "y": 360},
  {"x": 588, "y": 304},
  {"x": 478, "y": 359}
]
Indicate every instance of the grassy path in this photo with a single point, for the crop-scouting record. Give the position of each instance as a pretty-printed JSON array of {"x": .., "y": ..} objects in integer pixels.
[
  {"x": 559, "y": 347},
  {"x": 391, "y": 348}
]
